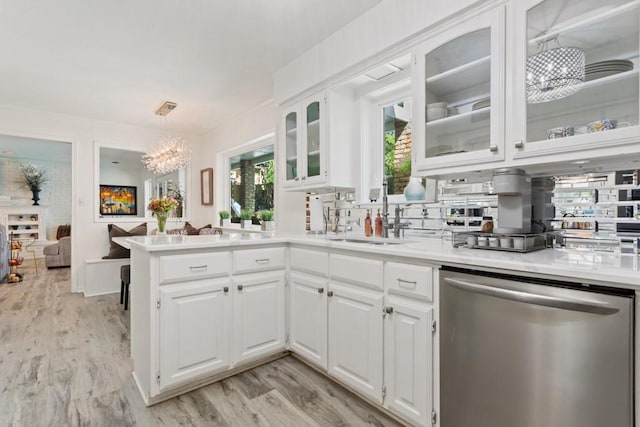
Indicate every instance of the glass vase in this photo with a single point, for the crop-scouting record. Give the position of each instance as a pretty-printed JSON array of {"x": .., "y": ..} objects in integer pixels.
[
  {"x": 162, "y": 222},
  {"x": 414, "y": 190}
]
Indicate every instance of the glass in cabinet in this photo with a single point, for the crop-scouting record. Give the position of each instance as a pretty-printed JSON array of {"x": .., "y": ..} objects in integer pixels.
[
  {"x": 313, "y": 139},
  {"x": 291, "y": 145},
  {"x": 459, "y": 91},
  {"x": 303, "y": 126},
  {"x": 576, "y": 76}
]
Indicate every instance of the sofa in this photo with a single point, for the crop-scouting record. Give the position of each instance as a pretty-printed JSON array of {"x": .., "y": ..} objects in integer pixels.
[{"x": 58, "y": 254}]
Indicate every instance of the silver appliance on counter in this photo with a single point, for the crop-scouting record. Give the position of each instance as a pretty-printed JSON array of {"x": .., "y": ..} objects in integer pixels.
[
  {"x": 513, "y": 187},
  {"x": 528, "y": 352}
]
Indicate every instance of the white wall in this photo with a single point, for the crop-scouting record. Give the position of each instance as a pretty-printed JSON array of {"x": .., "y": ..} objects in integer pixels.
[
  {"x": 90, "y": 238},
  {"x": 246, "y": 128},
  {"x": 111, "y": 174},
  {"x": 385, "y": 26},
  {"x": 55, "y": 195}
]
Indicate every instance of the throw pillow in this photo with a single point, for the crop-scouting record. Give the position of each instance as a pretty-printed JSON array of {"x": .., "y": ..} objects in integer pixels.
[
  {"x": 191, "y": 230},
  {"x": 115, "y": 250}
]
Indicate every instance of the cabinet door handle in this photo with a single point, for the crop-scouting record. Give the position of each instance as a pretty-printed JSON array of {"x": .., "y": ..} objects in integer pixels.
[
  {"x": 410, "y": 283},
  {"x": 198, "y": 268},
  {"x": 240, "y": 287},
  {"x": 493, "y": 148},
  {"x": 320, "y": 290},
  {"x": 225, "y": 289},
  {"x": 263, "y": 261},
  {"x": 388, "y": 310},
  {"x": 519, "y": 144},
  {"x": 330, "y": 293}
]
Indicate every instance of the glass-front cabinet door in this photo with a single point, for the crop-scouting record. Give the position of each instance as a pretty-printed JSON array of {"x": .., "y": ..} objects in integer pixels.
[
  {"x": 459, "y": 88},
  {"x": 312, "y": 140},
  {"x": 304, "y": 143},
  {"x": 575, "y": 77},
  {"x": 291, "y": 146}
]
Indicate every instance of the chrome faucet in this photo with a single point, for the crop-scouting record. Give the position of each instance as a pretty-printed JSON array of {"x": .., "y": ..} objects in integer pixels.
[
  {"x": 385, "y": 210},
  {"x": 397, "y": 225}
]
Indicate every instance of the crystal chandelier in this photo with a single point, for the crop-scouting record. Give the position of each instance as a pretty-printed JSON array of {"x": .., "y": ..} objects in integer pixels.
[
  {"x": 171, "y": 152},
  {"x": 554, "y": 73}
]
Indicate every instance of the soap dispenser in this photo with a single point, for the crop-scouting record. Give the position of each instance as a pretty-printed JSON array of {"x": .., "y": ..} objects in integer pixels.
[
  {"x": 378, "y": 225},
  {"x": 368, "y": 230}
]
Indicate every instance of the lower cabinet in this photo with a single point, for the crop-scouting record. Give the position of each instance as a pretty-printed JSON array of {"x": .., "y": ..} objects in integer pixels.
[
  {"x": 308, "y": 317},
  {"x": 258, "y": 315},
  {"x": 408, "y": 359},
  {"x": 194, "y": 330},
  {"x": 355, "y": 338}
]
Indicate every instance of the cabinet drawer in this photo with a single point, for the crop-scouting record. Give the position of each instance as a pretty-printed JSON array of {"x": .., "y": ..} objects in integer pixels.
[
  {"x": 194, "y": 266},
  {"x": 310, "y": 261},
  {"x": 252, "y": 260},
  {"x": 363, "y": 271},
  {"x": 409, "y": 279}
]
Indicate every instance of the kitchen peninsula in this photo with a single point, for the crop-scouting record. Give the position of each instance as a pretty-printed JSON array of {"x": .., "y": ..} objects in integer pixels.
[{"x": 207, "y": 307}]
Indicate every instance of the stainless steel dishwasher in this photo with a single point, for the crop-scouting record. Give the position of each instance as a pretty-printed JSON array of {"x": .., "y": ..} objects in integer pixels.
[{"x": 523, "y": 352}]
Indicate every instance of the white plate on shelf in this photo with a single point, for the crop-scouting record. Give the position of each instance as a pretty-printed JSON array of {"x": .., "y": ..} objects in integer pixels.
[
  {"x": 602, "y": 69},
  {"x": 483, "y": 103}
]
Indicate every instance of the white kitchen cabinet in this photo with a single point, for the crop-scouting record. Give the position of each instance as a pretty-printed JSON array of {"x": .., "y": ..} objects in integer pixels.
[
  {"x": 408, "y": 347},
  {"x": 258, "y": 315},
  {"x": 604, "y": 31},
  {"x": 356, "y": 338},
  {"x": 458, "y": 80},
  {"x": 194, "y": 330},
  {"x": 308, "y": 317},
  {"x": 315, "y": 136}
]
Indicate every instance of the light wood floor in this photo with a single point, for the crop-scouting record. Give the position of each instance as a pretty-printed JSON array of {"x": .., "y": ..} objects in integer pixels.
[{"x": 64, "y": 361}]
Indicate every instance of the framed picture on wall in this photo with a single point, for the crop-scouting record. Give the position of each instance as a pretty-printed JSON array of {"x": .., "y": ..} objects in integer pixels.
[
  {"x": 118, "y": 200},
  {"x": 206, "y": 186}
]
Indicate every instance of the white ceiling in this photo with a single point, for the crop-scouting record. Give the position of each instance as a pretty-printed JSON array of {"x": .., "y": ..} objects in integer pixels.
[{"x": 118, "y": 60}]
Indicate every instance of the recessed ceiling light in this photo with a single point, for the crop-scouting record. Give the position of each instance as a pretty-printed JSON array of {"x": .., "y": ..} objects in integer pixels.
[{"x": 580, "y": 162}]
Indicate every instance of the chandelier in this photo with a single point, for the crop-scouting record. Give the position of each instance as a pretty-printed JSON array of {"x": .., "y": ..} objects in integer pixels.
[
  {"x": 554, "y": 73},
  {"x": 171, "y": 152}
]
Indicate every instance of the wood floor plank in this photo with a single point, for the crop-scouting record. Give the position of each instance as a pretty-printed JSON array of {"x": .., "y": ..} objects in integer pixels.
[
  {"x": 64, "y": 361},
  {"x": 278, "y": 411},
  {"x": 233, "y": 405}
]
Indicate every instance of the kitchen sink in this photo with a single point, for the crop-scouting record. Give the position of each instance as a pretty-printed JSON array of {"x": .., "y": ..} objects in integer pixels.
[{"x": 379, "y": 242}]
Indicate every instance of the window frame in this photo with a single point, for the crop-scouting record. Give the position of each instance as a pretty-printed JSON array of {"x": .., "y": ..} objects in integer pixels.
[{"x": 222, "y": 186}]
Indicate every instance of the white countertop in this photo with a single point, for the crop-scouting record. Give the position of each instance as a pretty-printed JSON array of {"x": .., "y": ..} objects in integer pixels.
[{"x": 568, "y": 264}]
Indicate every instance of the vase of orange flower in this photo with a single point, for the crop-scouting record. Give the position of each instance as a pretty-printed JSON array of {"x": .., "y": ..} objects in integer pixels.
[{"x": 160, "y": 208}]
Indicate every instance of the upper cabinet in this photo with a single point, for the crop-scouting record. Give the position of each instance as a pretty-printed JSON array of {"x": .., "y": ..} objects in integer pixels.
[
  {"x": 574, "y": 78},
  {"x": 458, "y": 78},
  {"x": 315, "y": 135}
]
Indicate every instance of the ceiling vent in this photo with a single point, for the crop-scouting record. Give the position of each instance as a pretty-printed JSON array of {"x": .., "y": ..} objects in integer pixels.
[
  {"x": 383, "y": 71},
  {"x": 166, "y": 108}
]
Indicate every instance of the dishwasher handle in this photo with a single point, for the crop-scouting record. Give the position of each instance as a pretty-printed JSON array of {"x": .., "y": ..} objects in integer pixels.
[{"x": 529, "y": 298}]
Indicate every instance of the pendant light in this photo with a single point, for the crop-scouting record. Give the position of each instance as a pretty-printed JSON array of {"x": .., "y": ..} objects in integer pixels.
[
  {"x": 554, "y": 73},
  {"x": 171, "y": 152}
]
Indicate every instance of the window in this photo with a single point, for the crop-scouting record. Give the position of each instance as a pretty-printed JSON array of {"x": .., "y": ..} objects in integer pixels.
[
  {"x": 252, "y": 180},
  {"x": 396, "y": 137}
]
